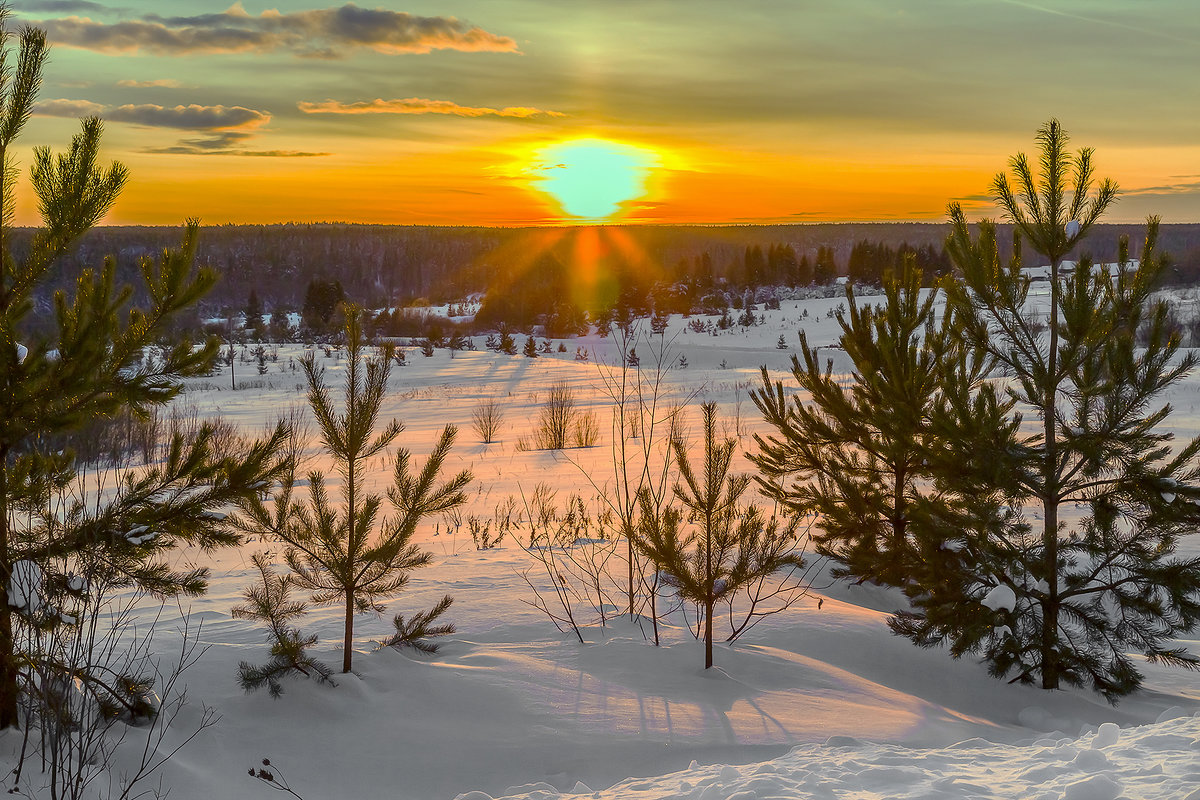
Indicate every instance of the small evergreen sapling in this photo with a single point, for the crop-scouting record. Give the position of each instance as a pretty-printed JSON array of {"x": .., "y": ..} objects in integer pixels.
[
  {"x": 720, "y": 546},
  {"x": 859, "y": 455},
  {"x": 81, "y": 361},
  {"x": 267, "y": 602},
  {"x": 345, "y": 556}
]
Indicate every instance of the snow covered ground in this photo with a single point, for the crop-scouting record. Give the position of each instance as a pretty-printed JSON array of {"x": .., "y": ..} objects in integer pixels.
[{"x": 821, "y": 701}]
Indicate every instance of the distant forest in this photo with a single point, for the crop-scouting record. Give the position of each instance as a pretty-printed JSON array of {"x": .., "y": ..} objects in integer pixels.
[{"x": 524, "y": 271}]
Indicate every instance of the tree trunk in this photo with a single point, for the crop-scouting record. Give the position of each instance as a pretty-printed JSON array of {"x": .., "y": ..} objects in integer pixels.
[
  {"x": 348, "y": 641},
  {"x": 708, "y": 615},
  {"x": 1050, "y": 495},
  {"x": 629, "y": 548},
  {"x": 8, "y": 662}
]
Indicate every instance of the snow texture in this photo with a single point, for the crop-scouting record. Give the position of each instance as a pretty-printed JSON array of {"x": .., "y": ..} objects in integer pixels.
[
  {"x": 1155, "y": 762},
  {"x": 822, "y": 701},
  {"x": 25, "y": 586}
]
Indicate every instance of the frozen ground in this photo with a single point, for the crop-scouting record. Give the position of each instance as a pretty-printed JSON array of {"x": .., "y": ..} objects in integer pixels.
[{"x": 820, "y": 702}]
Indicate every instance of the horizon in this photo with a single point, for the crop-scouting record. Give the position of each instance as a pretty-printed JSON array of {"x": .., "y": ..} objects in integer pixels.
[{"x": 520, "y": 113}]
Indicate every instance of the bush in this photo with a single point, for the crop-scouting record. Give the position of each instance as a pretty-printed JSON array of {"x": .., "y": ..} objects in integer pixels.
[
  {"x": 586, "y": 431},
  {"x": 557, "y": 418},
  {"x": 486, "y": 419}
]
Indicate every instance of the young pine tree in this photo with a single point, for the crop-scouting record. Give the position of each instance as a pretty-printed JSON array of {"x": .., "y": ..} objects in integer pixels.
[
  {"x": 344, "y": 555},
  {"x": 268, "y": 602},
  {"x": 1066, "y": 602},
  {"x": 858, "y": 455},
  {"x": 720, "y": 545},
  {"x": 87, "y": 367}
]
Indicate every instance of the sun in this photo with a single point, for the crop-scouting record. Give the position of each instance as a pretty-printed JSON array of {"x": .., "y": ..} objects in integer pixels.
[{"x": 592, "y": 179}]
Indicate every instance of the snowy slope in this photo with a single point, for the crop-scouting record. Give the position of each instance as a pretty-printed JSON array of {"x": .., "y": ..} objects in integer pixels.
[{"x": 512, "y": 707}]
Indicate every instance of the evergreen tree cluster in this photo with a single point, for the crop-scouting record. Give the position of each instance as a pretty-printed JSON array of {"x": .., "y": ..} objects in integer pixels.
[
  {"x": 869, "y": 261},
  {"x": 1048, "y": 551}
]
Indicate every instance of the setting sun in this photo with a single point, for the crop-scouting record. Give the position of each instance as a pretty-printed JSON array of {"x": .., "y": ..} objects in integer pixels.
[{"x": 591, "y": 178}]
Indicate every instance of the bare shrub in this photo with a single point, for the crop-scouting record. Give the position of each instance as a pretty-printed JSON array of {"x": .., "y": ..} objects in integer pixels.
[
  {"x": 577, "y": 585},
  {"x": 586, "y": 430},
  {"x": 486, "y": 419},
  {"x": 481, "y": 533},
  {"x": 507, "y": 519},
  {"x": 556, "y": 419}
]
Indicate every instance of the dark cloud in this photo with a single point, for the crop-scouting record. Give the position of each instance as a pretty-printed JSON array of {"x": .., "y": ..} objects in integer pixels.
[
  {"x": 321, "y": 33},
  {"x": 224, "y": 127},
  {"x": 191, "y": 118},
  {"x": 65, "y": 6},
  {"x": 221, "y": 146},
  {"x": 188, "y": 118},
  {"x": 1174, "y": 188}
]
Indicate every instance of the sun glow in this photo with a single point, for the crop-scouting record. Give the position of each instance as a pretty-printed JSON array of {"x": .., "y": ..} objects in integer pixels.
[{"x": 592, "y": 179}]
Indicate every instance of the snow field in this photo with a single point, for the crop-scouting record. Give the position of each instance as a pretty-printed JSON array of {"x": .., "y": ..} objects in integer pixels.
[
  {"x": 1153, "y": 762},
  {"x": 821, "y": 701}
]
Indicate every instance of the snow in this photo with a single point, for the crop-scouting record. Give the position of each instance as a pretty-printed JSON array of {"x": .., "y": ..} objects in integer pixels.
[
  {"x": 821, "y": 701},
  {"x": 1000, "y": 598},
  {"x": 25, "y": 586},
  {"x": 1145, "y": 766}
]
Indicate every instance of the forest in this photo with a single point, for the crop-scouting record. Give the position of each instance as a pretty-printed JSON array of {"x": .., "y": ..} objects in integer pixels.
[{"x": 393, "y": 265}]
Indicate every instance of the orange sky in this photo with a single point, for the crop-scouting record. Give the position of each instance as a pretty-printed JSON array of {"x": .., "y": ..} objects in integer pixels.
[{"x": 428, "y": 112}]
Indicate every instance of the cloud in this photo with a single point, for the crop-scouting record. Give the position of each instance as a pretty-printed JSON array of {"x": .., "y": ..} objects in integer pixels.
[
  {"x": 1174, "y": 188},
  {"x": 68, "y": 108},
  {"x": 166, "y": 83},
  {"x": 321, "y": 33},
  {"x": 188, "y": 118},
  {"x": 420, "y": 105},
  {"x": 224, "y": 127},
  {"x": 65, "y": 6},
  {"x": 191, "y": 118},
  {"x": 222, "y": 144}
]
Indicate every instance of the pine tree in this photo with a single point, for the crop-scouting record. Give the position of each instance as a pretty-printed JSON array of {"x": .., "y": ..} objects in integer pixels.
[
  {"x": 825, "y": 268},
  {"x": 268, "y": 602},
  {"x": 530, "y": 350},
  {"x": 1066, "y": 601},
  {"x": 858, "y": 455},
  {"x": 321, "y": 300},
  {"x": 720, "y": 545},
  {"x": 91, "y": 367},
  {"x": 345, "y": 556},
  {"x": 254, "y": 310},
  {"x": 506, "y": 344}
]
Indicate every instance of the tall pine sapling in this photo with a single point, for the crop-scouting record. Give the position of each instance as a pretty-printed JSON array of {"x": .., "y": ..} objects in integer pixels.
[
  {"x": 1066, "y": 602},
  {"x": 268, "y": 602},
  {"x": 88, "y": 367},
  {"x": 342, "y": 555},
  {"x": 720, "y": 545}
]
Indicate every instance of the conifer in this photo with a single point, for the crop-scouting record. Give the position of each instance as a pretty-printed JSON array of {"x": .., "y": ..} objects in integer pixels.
[
  {"x": 1067, "y": 600},
  {"x": 344, "y": 555},
  {"x": 91, "y": 367},
  {"x": 719, "y": 545},
  {"x": 858, "y": 455},
  {"x": 268, "y": 602}
]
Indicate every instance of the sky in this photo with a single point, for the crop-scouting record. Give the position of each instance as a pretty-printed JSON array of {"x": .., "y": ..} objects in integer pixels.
[{"x": 463, "y": 112}]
